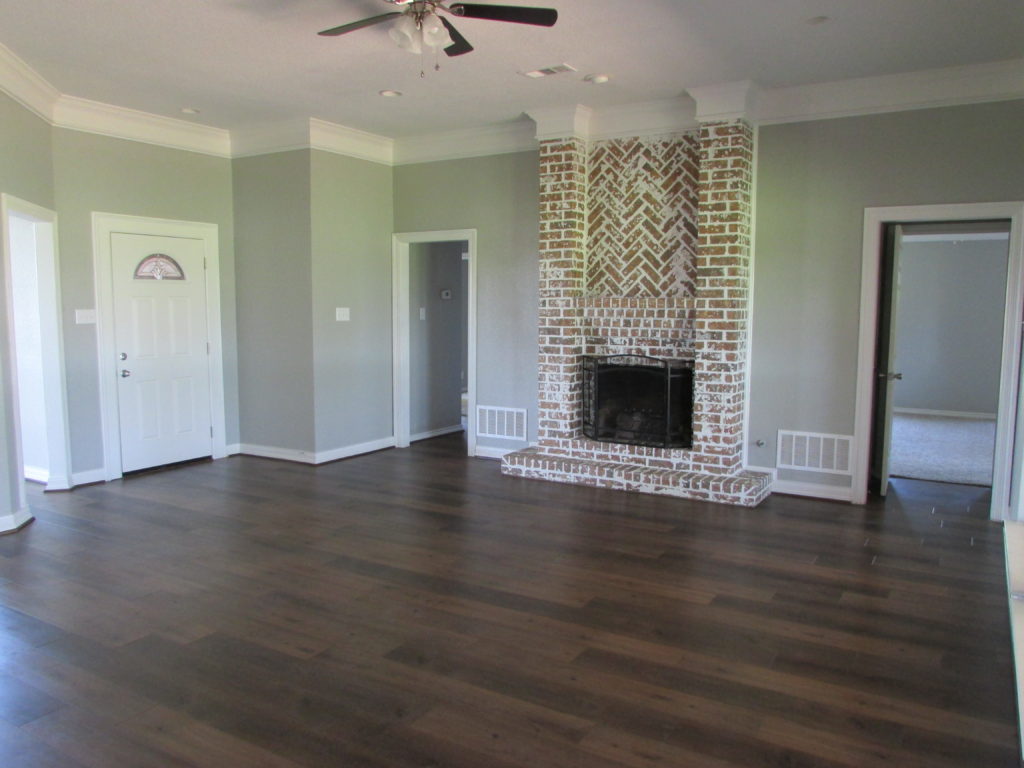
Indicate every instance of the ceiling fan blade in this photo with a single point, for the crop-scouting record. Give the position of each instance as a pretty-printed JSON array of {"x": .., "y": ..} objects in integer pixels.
[
  {"x": 541, "y": 17},
  {"x": 335, "y": 31},
  {"x": 460, "y": 45}
]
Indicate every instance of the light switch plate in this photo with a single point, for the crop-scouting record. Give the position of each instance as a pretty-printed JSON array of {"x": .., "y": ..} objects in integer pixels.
[
  {"x": 341, "y": 314},
  {"x": 423, "y": 313},
  {"x": 85, "y": 317}
]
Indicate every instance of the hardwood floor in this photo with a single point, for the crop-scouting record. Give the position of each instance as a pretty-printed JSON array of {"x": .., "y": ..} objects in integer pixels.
[{"x": 416, "y": 609}]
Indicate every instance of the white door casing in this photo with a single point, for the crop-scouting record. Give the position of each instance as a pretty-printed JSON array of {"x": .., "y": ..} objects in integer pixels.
[
  {"x": 400, "y": 243},
  {"x": 44, "y": 223},
  {"x": 166, "y": 325},
  {"x": 163, "y": 383},
  {"x": 1006, "y": 469}
]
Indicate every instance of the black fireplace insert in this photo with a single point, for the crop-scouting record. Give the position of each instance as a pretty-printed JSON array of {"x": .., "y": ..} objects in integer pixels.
[{"x": 638, "y": 400}]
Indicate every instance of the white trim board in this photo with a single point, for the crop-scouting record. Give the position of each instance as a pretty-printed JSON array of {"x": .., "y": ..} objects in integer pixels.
[
  {"x": 103, "y": 226},
  {"x": 44, "y": 223},
  {"x": 309, "y": 457},
  {"x": 13, "y": 521},
  {"x": 873, "y": 234},
  {"x": 798, "y": 488},
  {"x": 400, "y": 243}
]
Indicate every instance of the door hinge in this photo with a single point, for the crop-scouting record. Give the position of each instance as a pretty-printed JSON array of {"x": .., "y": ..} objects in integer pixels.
[{"x": 211, "y": 431}]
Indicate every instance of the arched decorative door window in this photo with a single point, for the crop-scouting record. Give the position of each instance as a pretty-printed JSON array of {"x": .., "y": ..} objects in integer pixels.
[{"x": 159, "y": 266}]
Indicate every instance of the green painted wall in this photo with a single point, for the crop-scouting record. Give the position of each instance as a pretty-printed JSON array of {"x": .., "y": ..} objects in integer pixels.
[
  {"x": 814, "y": 181},
  {"x": 352, "y": 219},
  {"x": 98, "y": 173},
  {"x": 499, "y": 197},
  {"x": 274, "y": 289},
  {"x": 26, "y": 171}
]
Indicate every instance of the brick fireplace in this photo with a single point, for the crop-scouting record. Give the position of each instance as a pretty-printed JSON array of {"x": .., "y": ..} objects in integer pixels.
[{"x": 645, "y": 250}]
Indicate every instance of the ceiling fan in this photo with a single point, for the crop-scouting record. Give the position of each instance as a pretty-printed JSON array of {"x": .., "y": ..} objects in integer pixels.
[{"x": 420, "y": 24}]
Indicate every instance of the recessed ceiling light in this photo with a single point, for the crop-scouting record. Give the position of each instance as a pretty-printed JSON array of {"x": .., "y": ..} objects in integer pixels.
[
  {"x": 389, "y": 94},
  {"x": 815, "y": 20},
  {"x": 189, "y": 111},
  {"x": 597, "y": 79}
]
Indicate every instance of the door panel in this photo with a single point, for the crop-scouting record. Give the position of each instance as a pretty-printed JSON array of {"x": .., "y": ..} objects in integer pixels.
[{"x": 161, "y": 337}]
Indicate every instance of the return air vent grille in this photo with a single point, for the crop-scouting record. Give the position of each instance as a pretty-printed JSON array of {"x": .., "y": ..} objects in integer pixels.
[
  {"x": 814, "y": 452},
  {"x": 506, "y": 423}
]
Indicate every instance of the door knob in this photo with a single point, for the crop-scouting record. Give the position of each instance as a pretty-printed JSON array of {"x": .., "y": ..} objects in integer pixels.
[
  {"x": 125, "y": 373},
  {"x": 124, "y": 355}
]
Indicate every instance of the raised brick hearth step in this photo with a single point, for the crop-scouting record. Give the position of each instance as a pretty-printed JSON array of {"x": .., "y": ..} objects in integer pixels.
[{"x": 746, "y": 488}]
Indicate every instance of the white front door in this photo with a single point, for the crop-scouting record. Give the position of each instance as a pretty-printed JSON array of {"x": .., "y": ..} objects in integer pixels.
[{"x": 163, "y": 367}]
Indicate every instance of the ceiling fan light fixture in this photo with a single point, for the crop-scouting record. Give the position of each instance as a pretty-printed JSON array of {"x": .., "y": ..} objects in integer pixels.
[
  {"x": 407, "y": 34},
  {"x": 434, "y": 33}
]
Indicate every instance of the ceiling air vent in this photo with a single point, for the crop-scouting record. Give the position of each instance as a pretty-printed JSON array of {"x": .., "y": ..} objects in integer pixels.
[{"x": 548, "y": 71}]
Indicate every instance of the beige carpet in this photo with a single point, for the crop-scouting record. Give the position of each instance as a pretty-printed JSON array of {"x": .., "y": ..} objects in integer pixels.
[{"x": 941, "y": 448}]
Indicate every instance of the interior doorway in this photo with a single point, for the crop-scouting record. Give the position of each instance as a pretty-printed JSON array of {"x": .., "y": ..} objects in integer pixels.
[
  {"x": 35, "y": 341},
  {"x": 939, "y": 349},
  {"x": 434, "y": 335},
  {"x": 888, "y": 234}
]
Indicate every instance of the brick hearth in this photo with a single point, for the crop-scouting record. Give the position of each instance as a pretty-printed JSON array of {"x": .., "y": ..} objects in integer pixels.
[{"x": 645, "y": 249}]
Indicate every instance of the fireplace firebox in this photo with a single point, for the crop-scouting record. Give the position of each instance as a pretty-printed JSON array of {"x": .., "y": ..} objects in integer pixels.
[{"x": 638, "y": 400}]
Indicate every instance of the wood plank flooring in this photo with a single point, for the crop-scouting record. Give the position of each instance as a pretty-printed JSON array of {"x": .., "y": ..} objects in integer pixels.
[{"x": 416, "y": 609}]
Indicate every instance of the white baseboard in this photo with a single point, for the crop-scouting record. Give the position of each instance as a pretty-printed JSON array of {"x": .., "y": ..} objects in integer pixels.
[
  {"x": 814, "y": 490},
  {"x": 948, "y": 414},
  {"x": 354, "y": 450},
  {"x": 435, "y": 433},
  {"x": 796, "y": 488},
  {"x": 88, "y": 477},
  {"x": 307, "y": 457},
  {"x": 490, "y": 452},
  {"x": 15, "y": 520},
  {"x": 231, "y": 449},
  {"x": 270, "y": 452},
  {"x": 37, "y": 474},
  {"x": 59, "y": 483}
]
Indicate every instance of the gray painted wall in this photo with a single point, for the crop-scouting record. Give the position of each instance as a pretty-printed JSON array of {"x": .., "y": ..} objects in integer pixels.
[
  {"x": 949, "y": 325},
  {"x": 274, "y": 289},
  {"x": 499, "y": 197},
  {"x": 814, "y": 181},
  {"x": 352, "y": 216},
  {"x": 436, "y": 340},
  {"x": 26, "y": 171},
  {"x": 98, "y": 173}
]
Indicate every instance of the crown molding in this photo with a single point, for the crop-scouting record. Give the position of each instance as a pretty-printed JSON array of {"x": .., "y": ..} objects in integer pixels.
[
  {"x": 343, "y": 140},
  {"x": 564, "y": 122},
  {"x": 649, "y": 118},
  {"x": 122, "y": 123},
  {"x": 724, "y": 101},
  {"x": 26, "y": 86},
  {"x": 269, "y": 138},
  {"x": 952, "y": 86},
  {"x": 995, "y": 81},
  {"x": 518, "y": 136}
]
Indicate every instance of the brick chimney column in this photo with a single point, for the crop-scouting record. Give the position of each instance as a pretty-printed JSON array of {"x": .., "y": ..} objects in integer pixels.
[{"x": 563, "y": 225}]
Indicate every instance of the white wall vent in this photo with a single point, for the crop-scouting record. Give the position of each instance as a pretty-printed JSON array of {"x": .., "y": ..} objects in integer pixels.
[
  {"x": 814, "y": 452},
  {"x": 506, "y": 423}
]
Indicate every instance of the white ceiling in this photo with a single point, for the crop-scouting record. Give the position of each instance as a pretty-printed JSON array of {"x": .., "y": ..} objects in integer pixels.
[{"x": 252, "y": 62}]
